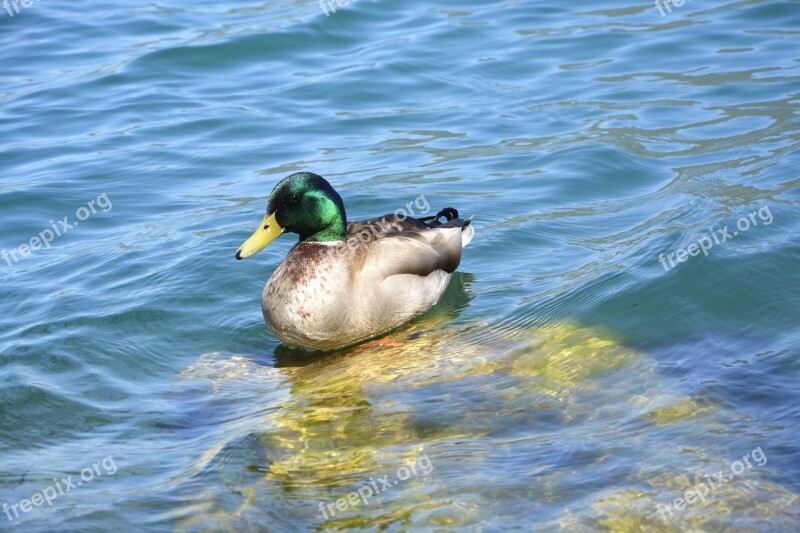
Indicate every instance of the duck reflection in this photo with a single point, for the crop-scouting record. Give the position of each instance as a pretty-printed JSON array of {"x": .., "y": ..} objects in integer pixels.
[{"x": 336, "y": 427}]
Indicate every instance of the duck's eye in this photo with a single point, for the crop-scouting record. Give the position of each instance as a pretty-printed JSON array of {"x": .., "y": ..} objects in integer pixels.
[{"x": 295, "y": 198}]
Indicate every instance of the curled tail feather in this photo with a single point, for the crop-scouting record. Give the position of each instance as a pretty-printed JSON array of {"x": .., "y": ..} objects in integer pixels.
[{"x": 451, "y": 219}]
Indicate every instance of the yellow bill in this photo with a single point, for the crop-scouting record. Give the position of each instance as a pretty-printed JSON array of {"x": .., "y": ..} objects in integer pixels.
[{"x": 265, "y": 234}]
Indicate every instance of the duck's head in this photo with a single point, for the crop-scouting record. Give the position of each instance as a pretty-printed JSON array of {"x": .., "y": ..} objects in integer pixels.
[{"x": 303, "y": 203}]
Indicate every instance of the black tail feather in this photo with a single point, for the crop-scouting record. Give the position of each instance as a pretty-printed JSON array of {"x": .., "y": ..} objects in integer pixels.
[{"x": 448, "y": 213}]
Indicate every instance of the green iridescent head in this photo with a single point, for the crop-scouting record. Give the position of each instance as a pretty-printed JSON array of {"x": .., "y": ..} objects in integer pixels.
[{"x": 303, "y": 203}]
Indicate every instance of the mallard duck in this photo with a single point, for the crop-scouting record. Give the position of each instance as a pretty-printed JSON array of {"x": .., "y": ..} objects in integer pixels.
[{"x": 346, "y": 282}]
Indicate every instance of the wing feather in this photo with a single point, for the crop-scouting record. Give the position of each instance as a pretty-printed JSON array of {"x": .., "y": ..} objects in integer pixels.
[{"x": 417, "y": 251}]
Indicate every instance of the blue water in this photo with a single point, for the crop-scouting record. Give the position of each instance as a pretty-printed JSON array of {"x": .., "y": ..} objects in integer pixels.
[{"x": 568, "y": 380}]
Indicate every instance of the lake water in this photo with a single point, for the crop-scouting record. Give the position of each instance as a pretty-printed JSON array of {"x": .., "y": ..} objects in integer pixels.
[{"x": 572, "y": 378}]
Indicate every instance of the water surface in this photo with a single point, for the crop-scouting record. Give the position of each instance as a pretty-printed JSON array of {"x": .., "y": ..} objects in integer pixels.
[{"x": 567, "y": 380}]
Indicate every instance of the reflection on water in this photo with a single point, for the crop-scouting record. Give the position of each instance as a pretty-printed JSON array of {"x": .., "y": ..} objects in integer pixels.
[{"x": 548, "y": 416}]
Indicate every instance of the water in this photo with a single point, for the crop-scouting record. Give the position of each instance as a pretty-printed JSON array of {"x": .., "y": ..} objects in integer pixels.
[{"x": 567, "y": 380}]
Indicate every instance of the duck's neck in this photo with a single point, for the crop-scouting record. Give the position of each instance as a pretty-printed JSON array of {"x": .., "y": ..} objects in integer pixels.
[{"x": 335, "y": 231}]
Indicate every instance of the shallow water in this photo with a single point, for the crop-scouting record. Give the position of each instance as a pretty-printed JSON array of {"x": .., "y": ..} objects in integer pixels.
[{"x": 567, "y": 380}]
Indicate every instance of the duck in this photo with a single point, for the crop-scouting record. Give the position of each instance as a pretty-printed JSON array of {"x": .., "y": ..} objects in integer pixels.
[{"x": 346, "y": 282}]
